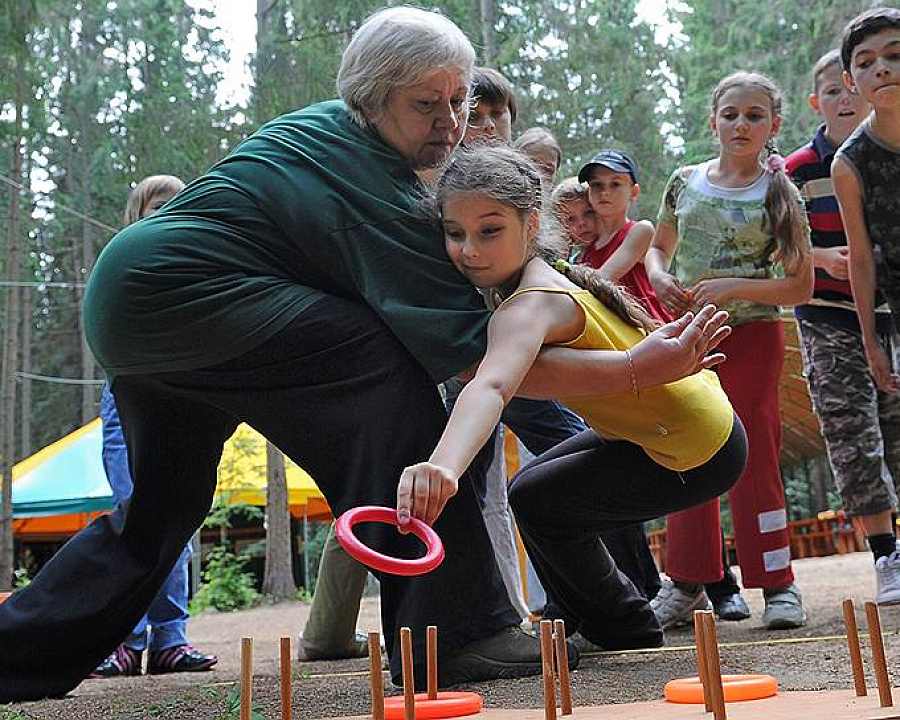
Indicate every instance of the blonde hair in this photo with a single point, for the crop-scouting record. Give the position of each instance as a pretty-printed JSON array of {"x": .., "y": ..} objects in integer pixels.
[
  {"x": 536, "y": 139},
  {"x": 567, "y": 190},
  {"x": 783, "y": 214},
  {"x": 145, "y": 191}
]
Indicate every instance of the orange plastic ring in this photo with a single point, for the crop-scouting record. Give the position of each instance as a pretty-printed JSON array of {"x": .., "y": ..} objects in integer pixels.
[
  {"x": 735, "y": 688},
  {"x": 447, "y": 705}
]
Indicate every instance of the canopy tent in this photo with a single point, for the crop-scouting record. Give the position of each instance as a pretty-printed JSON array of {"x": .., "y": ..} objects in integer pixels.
[{"x": 62, "y": 487}]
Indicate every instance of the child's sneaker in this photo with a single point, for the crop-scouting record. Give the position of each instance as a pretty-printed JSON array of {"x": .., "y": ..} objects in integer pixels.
[
  {"x": 181, "y": 658},
  {"x": 784, "y": 608},
  {"x": 674, "y": 606},
  {"x": 122, "y": 661},
  {"x": 887, "y": 579}
]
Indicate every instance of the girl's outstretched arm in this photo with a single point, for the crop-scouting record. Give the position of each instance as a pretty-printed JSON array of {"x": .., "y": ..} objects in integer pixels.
[
  {"x": 657, "y": 261},
  {"x": 516, "y": 333}
]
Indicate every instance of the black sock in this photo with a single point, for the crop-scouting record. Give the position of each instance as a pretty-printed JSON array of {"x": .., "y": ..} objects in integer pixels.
[{"x": 882, "y": 544}]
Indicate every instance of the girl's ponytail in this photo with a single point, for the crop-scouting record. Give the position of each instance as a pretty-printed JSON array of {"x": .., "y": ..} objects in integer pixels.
[
  {"x": 784, "y": 216},
  {"x": 613, "y": 296}
]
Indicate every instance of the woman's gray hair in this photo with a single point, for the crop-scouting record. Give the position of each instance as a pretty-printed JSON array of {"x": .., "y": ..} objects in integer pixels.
[{"x": 396, "y": 47}]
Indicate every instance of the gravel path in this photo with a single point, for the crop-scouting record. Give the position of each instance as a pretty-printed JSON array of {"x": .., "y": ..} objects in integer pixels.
[{"x": 811, "y": 658}]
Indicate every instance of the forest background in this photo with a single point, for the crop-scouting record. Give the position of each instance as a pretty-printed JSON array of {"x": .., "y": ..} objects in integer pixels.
[{"x": 96, "y": 94}]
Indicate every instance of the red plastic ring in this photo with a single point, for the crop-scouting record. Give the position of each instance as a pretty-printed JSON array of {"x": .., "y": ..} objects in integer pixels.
[
  {"x": 447, "y": 705},
  {"x": 367, "y": 556}
]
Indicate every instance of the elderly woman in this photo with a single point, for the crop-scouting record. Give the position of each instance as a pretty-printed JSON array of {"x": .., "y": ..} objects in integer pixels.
[{"x": 296, "y": 286}]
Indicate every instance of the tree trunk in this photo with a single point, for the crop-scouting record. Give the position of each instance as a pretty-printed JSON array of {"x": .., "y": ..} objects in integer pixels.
[
  {"x": 278, "y": 579},
  {"x": 88, "y": 390},
  {"x": 25, "y": 385},
  {"x": 10, "y": 358},
  {"x": 488, "y": 36}
]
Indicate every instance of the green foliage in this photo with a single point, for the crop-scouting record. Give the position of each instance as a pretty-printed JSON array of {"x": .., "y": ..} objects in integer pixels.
[
  {"x": 232, "y": 709},
  {"x": 20, "y": 578},
  {"x": 225, "y": 585},
  {"x": 222, "y": 514}
]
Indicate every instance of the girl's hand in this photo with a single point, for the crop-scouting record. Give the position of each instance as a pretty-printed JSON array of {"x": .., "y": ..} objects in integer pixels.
[
  {"x": 670, "y": 292},
  {"x": 835, "y": 261},
  {"x": 880, "y": 367},
  {"x": 714, "y": 291},
  {"x": 423, "y": 491},
  {"x": 680, "y": 348}
]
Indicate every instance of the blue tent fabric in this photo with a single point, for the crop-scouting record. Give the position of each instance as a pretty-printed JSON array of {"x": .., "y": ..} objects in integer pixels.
[{"x": 65, "y": 477}]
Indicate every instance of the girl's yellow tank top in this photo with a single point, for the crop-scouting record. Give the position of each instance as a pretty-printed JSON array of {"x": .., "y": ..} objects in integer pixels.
[{"x": 680, "y": 425}]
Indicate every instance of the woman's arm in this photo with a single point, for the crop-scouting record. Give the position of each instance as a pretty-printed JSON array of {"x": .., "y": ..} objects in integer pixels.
[
  {"x": 657, "y": 261},
  {"x": 516, "y": 333},
  {"x": 632, "y": 251},
  {"x": 862, "y": 272}
]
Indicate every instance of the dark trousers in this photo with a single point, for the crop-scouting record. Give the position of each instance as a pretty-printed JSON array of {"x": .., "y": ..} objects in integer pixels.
[
  {"x": 342, "y": 398},
  {"x": 585, "y": 485}
]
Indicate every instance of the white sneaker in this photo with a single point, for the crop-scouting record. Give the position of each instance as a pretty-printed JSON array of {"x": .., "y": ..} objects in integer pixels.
[
  {"x": 673, "y": 606},
  {"x": 887, "y": 579}
]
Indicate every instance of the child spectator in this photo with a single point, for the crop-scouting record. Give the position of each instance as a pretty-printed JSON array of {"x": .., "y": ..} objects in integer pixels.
[
  {"x": 165, "y": 621},
  {"x": 732, "y": 232},
  {"x": 860, "y": 424},
  {"x": 570, "y": 206},
  {"x": 866, "y": 173},
  {"x": 493, "y": 107},
  {"x": 621, "y": 244},
  {"x": 539, "y": 144}
]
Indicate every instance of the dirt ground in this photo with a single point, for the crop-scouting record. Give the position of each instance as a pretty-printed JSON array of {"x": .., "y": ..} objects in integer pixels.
[{"x": 811, "y": 658}]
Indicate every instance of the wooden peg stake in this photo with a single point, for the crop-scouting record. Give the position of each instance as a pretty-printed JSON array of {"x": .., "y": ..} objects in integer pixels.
[
  {"x": 246, "y": 678},
  {"x": 431, "y": 648},
  {"x": 547, "y": 670},
  {"x": 702, "y": 670},
  {"x": 878, "y": 659},
  {"x": 859, "y": 677},
  {"x": 409, "y": 681},
  {"x": 376, "y": 679},
  {"x": 562, "y": 667},
  {"x": 713, "y": 666},
  {"x": 285, "y": 657}
]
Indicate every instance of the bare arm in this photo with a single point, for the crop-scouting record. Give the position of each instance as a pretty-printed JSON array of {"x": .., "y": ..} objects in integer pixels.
[
  {"x": 657, "y": 261},
  {"x": 862, "y": 271},
  {"x": 632, "y": 251},
  {"x": 516, "y": 333},
  {"x": 674, "y": 351},
  {"x": 795, "y": 288}
]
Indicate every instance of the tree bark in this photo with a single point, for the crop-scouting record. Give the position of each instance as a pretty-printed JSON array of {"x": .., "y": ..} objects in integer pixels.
[
  {"x": 278, "y": 579},
  {"x": 11, "y": 357},
  {"x": 488, "y": 36}
]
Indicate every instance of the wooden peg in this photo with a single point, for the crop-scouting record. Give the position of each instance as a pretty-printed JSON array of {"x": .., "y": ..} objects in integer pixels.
[
  {"x": 431, "y": 648},
  {"x": 285, "y": 658},
  {"x": 547, "y": 670},
  {"x": 562, "y": 667},
  {"x": 376, "y": 679},
  {"x": 878, "y": 658},
  {"x": 246, "y": 678},
  {"x": 702, "y": 670},
  {"x": 859, "y": 677},
  {"x": 409, "y": 681},
  {"x": 713, "y": 666}
]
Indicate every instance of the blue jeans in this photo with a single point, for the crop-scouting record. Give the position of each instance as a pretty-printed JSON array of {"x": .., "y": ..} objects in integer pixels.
[{"x": 167, "y": 615}]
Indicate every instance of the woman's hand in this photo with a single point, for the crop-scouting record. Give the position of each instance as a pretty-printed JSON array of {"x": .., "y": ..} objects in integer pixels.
[
  {"x": 423, "y": 491},
  {"x": 714, "y": 291},
  {"x": 670, "y": 292},
  {"x": 880, "y": 367},
  {"x": 834, "y": 260},
  {"x": 680, "y": 348}
]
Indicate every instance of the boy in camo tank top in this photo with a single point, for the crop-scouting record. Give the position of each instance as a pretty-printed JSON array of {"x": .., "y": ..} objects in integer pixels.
[{"x": 866, "y": 173}]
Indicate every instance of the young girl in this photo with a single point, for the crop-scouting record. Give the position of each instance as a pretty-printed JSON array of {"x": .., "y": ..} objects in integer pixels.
[
  {"x": 621, "y": 244},
  {"x": 734, "y": 232},
  {"x": 665, "y": 448}
]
